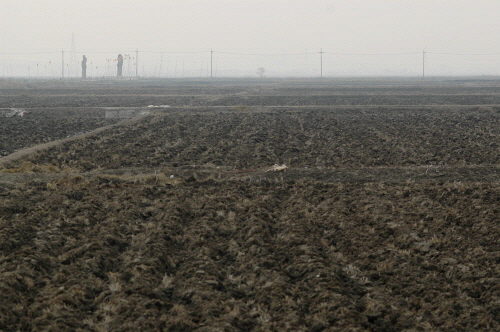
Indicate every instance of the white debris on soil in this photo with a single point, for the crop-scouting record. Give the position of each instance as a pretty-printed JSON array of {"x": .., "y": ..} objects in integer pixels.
[
  {"x": 278, "y": 168},
  {"x": 16, "y": 112},
  {"x": 158, "y": 106}
]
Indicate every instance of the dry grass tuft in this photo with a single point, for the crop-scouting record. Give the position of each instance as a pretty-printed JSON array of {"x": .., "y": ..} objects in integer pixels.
[
  {"x": 29, "y": 167},
  {"x": 69, "y": 183},
  {"x": 240, "y": 108}
]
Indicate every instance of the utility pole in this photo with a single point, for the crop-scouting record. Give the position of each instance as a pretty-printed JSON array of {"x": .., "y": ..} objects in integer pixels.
[
  {"x": 211, "y": 62},
  {"x": 423, "y": 64},
  {"x": 321, "y": 63},
  {"x": 161, "y": 64},
  {"x": 62, "y": 71},
  {"x": 136, "y": 63},
  {"x": 72, "y": 58}
]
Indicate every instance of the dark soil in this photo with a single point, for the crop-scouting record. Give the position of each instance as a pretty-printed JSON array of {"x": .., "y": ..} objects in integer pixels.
[
  {"x": 313, "y": 138},
  {"x": 386, "y": 219},
  {"x": 46, "y": 125}
]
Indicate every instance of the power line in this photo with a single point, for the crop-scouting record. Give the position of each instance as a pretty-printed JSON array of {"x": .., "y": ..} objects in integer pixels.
[
  {"x": 267, "y": 54},
  {"x": 186, "y": 52},
  {"x": 102, "y": 52},
  {"x": 374, "y": 54},
  {"x": 300, "y": 66},
  {"x": 258, "y": 54},
  {"x": 473, "y": 54},
  {"x": 22, "y": 53}
]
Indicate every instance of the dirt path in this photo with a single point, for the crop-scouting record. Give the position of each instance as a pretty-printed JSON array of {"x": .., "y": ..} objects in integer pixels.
[{"x": 25, "y": 152}]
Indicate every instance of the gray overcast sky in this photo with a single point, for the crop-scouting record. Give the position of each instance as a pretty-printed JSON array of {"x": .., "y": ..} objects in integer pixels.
[{"x": 260, "y": 26}]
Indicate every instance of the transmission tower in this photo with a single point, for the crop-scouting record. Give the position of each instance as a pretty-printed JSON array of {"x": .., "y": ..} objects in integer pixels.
[{"x": 73, "y": 61}]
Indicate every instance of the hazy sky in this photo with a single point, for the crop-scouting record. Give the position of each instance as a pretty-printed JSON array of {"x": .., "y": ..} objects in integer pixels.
[{"x": 262, "y": 26}]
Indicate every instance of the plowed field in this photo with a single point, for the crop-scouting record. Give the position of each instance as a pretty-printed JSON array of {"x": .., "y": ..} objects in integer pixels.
[{"x": 387, "y": 218}]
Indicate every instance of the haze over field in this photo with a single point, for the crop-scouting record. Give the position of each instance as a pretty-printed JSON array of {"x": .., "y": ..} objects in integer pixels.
[{"x": 359, "y": 37}]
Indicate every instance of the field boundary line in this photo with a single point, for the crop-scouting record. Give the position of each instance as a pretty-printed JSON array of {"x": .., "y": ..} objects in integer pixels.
[
  {"x": 173, "y": 107},
  {"x": 40, "y": 147}
]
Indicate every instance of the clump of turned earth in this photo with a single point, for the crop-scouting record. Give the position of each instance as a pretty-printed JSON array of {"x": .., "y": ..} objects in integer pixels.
[{"x": 384, "y": 219}]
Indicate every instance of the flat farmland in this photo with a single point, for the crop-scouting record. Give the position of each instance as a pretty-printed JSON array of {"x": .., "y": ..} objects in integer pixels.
[{"x": 386, "y": 218}]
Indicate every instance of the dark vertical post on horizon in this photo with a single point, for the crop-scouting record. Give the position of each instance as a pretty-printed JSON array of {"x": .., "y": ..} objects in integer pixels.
[{"x": 84, "y": 67}]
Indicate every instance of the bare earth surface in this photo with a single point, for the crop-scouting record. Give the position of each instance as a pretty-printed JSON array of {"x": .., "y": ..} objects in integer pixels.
[{"x": 387, "y": 218}]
